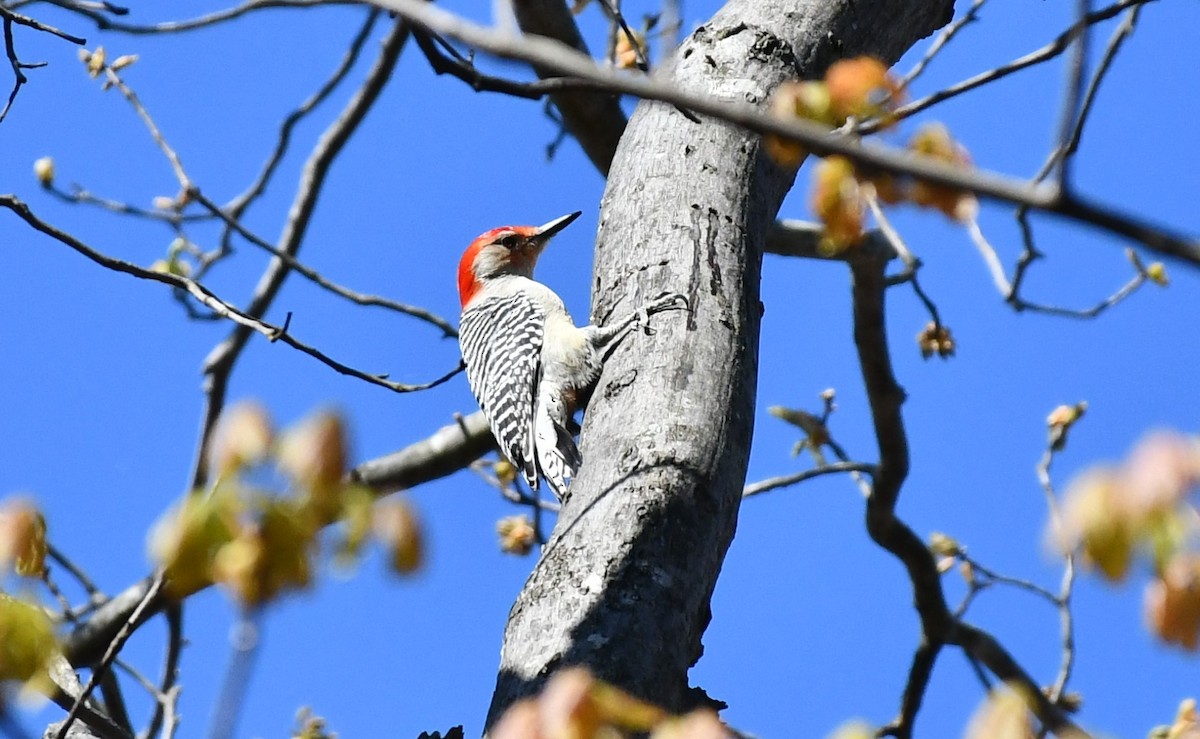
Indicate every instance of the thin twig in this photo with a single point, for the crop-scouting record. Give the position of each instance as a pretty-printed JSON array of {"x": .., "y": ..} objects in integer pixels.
[
  {"x": 211, "y": 301},
  {"x": 9, "y": 18},
  {"x": 512, "y": 492},
  {"x": 1008, "y": 290},
  {"x": 114, "y": 647},
  {"x": 448, "y": 330},
  {"x": 1066, "y": 587},
  {"x": 782, "y": 481},
  {"x": 911, "y": 263},
  {"x": 944, "y": 37},
  {"x": 1030, "y": 253},
  {"x": 80, "y": 576},
  {"x": 19, "y": 78},
  {"x": 996, "y": 578},
  {"x": 1051, "y": 50},
  {"x": 613, "y": 9},
  {"x": 1068, "y": 146},
  {"x": 106, "y": 24},
  {"x": 24, "y": 20},
  {"x": 464, "y": 69},
  {"x": 168, "y": 693},
  {"x": 81, "y": 196},
  {"x": 63, "y": 603},
  {"x": 236, "y": 208},
  {"x": 138, "y": 677},
  {"x": 161, "y": 141}
]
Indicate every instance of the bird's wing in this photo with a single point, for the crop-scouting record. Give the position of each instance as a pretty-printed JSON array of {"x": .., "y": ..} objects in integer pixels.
[{"x": 501, "y": 340}]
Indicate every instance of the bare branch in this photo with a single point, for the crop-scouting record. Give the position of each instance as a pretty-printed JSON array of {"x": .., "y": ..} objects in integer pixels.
[
  {"x": 220, "y": 362},
  {"x": 236, "y": 208},
  {"x": 919, "y": 672},
  {"x": 984, "y": 647},
  {"x": 76, "y": 572},
  {"x": 1031, "y": 253},
  {"x": 68, "y": 689},
  {"x": 211, "y": 301},
  {"x": 938, "y": 625},
  {"x": 9, "y": 18},
  {"x": 1010, "y": 290},
  {"x": 448, "y": 330},
  {"x": 19, "y": 78},
  {"x": 1067, "y": 585},
  {"x": 1070, "y": 144},
  {"x": 793, "y": 238},
  {"x": 114, "y": 648},
  {"x": 232, "y": 225},
  {"x": 114, "y": 700},
  {"x": 168, "y": 151},
  {"x": 23, "y": 20},
  {"x": 553, "y": 56},
  {"x": 79, "y": 195},
  {"x": 987, "y": 577},
  {"x": 943, "y": 38},
  {"x": 168, "y": 693},
  {"x": 1051, "y": 50},
  {"x": 446, "y": 451},
  {"x": 774, "y": 483},
  {"x": 104, "y": 23},
  {"x": 612, "y": 8},
  {"x": 911, "y": 263},
  {"x": 465, "y": 70}
]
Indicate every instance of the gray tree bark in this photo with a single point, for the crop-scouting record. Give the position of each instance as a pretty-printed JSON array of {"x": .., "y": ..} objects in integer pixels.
[{"x": 624, "y": 584}]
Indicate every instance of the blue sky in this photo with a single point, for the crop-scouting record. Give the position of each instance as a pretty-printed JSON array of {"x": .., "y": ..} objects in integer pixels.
[{"x": 812, "y": 624}]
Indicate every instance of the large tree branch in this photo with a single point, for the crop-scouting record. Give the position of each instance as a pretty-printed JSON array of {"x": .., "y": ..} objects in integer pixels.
[
  {"x": 448, "y": 450},
  {"x": 623, "y": 586}
]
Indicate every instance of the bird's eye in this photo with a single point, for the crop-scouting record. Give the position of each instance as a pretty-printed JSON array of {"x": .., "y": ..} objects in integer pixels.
[{"x": 509, "y": 240}]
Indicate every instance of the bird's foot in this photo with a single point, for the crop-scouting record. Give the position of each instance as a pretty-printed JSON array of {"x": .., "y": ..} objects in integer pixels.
[{"x": 663, "y": 303}]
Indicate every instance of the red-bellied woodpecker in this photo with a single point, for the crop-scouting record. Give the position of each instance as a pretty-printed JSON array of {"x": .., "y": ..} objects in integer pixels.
[{"x": 528, "y": 364}]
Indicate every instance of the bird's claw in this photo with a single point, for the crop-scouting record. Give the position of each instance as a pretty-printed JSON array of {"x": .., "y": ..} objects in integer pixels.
[
  {"x": 642, "y": 320},
  {"x": 664, "y": 302},
  {"x": 670, "y": 301}
]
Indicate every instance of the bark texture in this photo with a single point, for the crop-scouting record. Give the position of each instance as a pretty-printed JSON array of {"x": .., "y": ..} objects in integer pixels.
[{"x": 623, "y": 587}]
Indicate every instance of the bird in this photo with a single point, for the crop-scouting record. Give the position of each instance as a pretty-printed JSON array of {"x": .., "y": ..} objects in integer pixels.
[{"x": 528, "y": 364}]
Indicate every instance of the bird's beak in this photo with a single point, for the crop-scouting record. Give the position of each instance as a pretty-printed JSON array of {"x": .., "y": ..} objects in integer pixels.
[{"x": 547, "y": 230}]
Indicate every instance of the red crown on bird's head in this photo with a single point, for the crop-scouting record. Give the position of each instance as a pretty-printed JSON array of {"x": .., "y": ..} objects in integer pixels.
[{"x": 511, "y": 248}]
